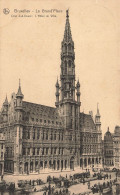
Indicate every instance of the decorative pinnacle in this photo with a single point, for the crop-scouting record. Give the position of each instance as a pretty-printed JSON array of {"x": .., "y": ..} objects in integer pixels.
[
  {"x": 19, "y": 83},
  {"x": 19, "y": 93},
  {"x": 57, "y": 84},
  {"x": 98, "y": 109},
  {"x": 67, "y": 32},
  {"x": 6, "y": 101},
  {"x": 67, "y": 13},
  {"x": 6, "y": 98},
  {"x": 78, "y": 84}
]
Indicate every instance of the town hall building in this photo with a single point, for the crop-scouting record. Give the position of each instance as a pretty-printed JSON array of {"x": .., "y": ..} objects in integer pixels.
[{"x": 40, "y": 138}]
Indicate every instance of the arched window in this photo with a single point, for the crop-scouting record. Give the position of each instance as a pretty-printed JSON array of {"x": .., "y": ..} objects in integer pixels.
[
  {"x": 51, "y": 135},
  {"x": 69, "y": 64},
  {"x": 65, "y": 67},
  {"x": 59, "y": 135},
  {"x": 46, "y": 135},
  {"x": 28, "y": 134},
  {"x": 69, "y": 47},
  {"x": 65, "y": 48},
  {"x": 33, "y": 133},
  {"x": 55, "y": 136},
  {"x": 71, "y": 123}
]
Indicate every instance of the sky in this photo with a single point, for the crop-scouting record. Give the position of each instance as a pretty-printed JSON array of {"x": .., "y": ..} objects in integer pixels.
[{"x": 30, "y": 49}]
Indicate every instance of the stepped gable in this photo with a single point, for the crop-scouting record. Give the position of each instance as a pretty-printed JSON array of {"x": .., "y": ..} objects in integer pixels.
[
  {"x": 37, "y": 113},
  {"x": 86, "y": 121}
]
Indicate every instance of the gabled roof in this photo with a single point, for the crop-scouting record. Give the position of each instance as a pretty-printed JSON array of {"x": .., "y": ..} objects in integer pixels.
[
  {"x": 41, "y": 114},
  {"x": 86, "y": 121}
]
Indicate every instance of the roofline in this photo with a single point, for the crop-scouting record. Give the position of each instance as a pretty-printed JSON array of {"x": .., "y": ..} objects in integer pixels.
[{"x": 40, "y": 104}]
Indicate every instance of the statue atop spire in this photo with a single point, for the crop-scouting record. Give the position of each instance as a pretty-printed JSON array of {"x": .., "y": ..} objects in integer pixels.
[{"x": 67, "y": 13}]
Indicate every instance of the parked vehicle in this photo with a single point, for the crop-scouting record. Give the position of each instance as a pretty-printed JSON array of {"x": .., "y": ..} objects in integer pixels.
[
  {"x": 2, "y": 186},
  {"x": 107, "y": 190},
  {"x": 10, "y": 186}
]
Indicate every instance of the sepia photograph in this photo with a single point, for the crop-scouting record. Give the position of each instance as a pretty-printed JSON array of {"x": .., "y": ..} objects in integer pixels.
[{"x": 60, "y": 97}]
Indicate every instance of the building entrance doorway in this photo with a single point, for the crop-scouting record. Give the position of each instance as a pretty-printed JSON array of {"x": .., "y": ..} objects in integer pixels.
[
  {"x": 72, "y": 163},
  {"x": 61, "y": 164},
  {"x": 54, "y": 164},
  {"x": 26, "y": 167},
  {"x": 31, "y": 166},
  {"x": 0, "y": 169}
]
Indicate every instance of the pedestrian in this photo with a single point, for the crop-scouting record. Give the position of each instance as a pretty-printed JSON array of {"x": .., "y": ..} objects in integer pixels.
[
  {"x": 104, "y": 184},
  {"x": 1, "y": 177},
  {"x": 33, "y": 182},
  {"x": 110, "y": 182}
]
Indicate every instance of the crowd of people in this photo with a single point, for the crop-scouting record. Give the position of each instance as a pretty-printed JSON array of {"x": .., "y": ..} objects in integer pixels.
[
  {"x": 60, "y": 185},
  {"x": 52, "y": 191}
]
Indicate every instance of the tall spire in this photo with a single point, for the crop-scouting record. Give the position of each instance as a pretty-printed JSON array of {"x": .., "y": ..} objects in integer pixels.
[
  {"x": 57, "y": 83},
  {"x": 19, "y": 93},
  {"x": 67, "y": 32},
  {"x": 68, "y": 105},
  {"x": 98, "y": 113},
  {"x": 78, "y": 84}
]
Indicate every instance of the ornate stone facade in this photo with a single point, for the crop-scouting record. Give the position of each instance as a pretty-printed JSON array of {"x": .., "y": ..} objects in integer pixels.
[
  {"x": 2, "y": 151},
  {"x": 116, "y": 147},
  {"x": 41, "y": 138},
  {"x": 108, "y": 149}
]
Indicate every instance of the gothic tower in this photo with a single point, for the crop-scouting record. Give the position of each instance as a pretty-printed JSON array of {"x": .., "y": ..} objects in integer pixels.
[
  {"x": 5, "y": 110},
  {"x": 97, "y": 120},
  {"x": 66, "y": 102},
  {"x": 19, "y": 108},
  {"x": 99, "y": 132},
  {"x": 18, "y": 129}
]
